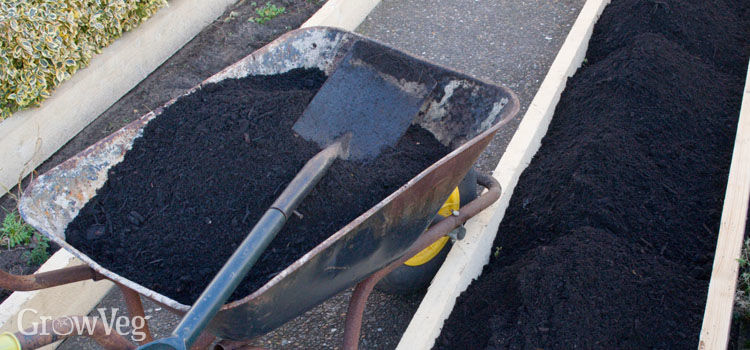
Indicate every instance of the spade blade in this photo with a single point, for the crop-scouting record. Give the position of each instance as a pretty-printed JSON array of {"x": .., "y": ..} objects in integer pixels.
[{"x": 373, "y": 95}]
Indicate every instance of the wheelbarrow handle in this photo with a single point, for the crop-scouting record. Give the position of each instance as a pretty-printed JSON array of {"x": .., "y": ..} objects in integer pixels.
[{"x": 239, "y": 264}]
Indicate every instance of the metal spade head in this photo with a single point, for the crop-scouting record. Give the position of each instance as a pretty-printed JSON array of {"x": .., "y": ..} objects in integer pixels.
[{"x": 373, "y": 95}]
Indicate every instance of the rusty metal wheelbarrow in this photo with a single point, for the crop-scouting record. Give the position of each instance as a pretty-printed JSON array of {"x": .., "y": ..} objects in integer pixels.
[{"x": 462, "y": 112}]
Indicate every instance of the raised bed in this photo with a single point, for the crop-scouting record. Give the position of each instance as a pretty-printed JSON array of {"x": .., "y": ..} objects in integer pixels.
[
  {"x": 467, "y": 257},
  {"x": 721, "y": 291},
  {"x": 576, "y": 262},
  {"x": 29, "y": 137}
]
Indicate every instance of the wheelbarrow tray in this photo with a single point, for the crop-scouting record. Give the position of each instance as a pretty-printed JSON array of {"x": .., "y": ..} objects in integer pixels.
[{"x": 462, "y": 112}]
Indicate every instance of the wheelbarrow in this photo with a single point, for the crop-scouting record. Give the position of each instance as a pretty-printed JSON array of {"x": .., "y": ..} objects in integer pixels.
[{"x": 462, "y": 112}]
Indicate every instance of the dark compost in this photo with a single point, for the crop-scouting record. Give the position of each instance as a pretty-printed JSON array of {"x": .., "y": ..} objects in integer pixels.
[
  {"x": 206, "y": 169},
  {"x": 609, "y": 237}
]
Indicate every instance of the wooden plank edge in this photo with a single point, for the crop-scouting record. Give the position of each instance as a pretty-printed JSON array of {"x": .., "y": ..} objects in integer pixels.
[
  {"x": 717, "y": 317},
  {"x": 29, "y": 137},
  {"x": 70, "y": 299},
  {"x": 467, "y": 258},
  {"x": 344, "y": 14}
]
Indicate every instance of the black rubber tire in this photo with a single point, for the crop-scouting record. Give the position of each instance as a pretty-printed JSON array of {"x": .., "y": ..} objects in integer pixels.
[{"x": 410, "y": 279}]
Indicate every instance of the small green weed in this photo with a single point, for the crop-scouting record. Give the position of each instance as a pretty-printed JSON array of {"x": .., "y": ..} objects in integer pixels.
[
  {"x": 497, "y": 251},
  {"x": 232, "y": 15},
  {"x": 15, "y": 231},
  {"x": 742, "y": 296},
  {"x": 39, "y": 254},
  {"x": 266, "y": 13}
]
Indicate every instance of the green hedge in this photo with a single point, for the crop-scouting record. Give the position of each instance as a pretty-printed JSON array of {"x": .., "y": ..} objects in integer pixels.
[{"x": 42, "y": 42}]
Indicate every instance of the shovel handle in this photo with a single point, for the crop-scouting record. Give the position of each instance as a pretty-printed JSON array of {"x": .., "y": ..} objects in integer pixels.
[
  {"x": 307, "y": 178},
  {"x": 239, "y": 264}
]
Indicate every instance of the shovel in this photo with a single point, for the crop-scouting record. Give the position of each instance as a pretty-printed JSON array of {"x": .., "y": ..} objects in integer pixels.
[{"x": 364, "y": 106}]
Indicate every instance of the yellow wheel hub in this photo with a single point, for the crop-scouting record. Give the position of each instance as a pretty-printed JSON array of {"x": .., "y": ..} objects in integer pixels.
[
  {"x": 453, "y": 203},
  {"x": 8, "y": 341}
]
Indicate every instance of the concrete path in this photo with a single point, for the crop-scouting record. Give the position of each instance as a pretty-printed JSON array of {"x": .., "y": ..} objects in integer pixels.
[{"x": 510, "y": 42}]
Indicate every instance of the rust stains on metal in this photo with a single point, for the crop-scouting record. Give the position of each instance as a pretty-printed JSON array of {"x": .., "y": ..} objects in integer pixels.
[
  {"x": 135, "y": 309},
  {"x": 47, "y": 279}
]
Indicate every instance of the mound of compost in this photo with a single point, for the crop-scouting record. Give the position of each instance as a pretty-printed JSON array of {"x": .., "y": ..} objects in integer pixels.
[
  {"x": 706, "y": 30},
  {"x": 204, "y": 171},
  {"x": 609, "y": 237},
  {"x": 601, "y": 260}
]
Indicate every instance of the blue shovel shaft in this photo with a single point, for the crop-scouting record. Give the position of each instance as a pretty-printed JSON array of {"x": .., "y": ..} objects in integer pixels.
[{"x": 238, "y": 265}]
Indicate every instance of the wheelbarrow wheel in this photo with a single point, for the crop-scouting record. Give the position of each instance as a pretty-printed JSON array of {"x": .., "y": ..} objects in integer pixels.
[{"x": 417, "y": 273}]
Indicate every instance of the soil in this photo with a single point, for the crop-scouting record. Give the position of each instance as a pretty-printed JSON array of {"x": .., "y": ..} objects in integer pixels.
[
  {"x": 707, "y": 31},
  {"x": 609, "y": 237},
  {"x": 13, "y": 261},
  {"x": 205, "y": 171}
]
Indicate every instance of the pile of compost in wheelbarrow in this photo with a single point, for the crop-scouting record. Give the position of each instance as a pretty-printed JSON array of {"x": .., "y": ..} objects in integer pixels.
[
  {"x": 205, "y": 170},
  {"x": 609, "y": 237}
]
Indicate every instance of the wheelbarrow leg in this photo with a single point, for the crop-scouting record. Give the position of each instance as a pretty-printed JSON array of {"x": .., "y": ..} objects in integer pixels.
[
  {"x": 362, "y": 291},
  {"x": 48, "y": 279},
  {"x": 356, "y": 309},
  {"x": 135, "y": 309}
]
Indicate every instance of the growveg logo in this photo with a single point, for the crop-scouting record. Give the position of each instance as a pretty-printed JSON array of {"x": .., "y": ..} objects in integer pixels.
[{"x": 65, "y": 326}]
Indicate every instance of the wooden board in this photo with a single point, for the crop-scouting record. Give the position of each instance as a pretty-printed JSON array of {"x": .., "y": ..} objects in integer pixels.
[
  {"x": 344, "y": 14},
  {"x": 717, "y": 318},
  {"x": 467, "y": 258}
]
